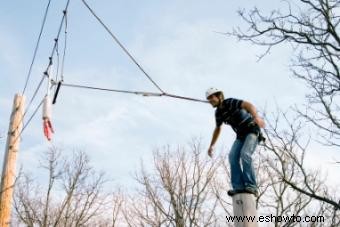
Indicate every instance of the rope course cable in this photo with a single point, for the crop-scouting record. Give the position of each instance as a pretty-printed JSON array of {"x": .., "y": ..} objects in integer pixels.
[
  {"x": 55, "y": 46},
  {"x": 61, "y": 63},
  {"x": 29, "y": 73},
  {"x": 65, "y": 46},
  {"x": 58, "y": 82},
  {"x": 58, "y": 65},
  {"x": 59, "y": 30},
  {"x": 46, "y": 72},
  {"x": 32, "y": 116},
  {"x": 36, "y": 47},
  {"x": 114, "y": 37},
  {"x": 144, "y": 93},
  {"x": 60, "y": 69},
  {"x": 122, "y": 46},
  {"x": 50, "y": 62},
  {"x": 35, "y": 94}
]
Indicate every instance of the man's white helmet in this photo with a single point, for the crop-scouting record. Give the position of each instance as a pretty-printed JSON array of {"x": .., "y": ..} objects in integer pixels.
[{"x": 211, "y": 91}]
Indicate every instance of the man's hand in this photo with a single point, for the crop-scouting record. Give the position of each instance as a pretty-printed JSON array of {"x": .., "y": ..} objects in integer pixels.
[
  {"x": 210, "y": 151},
  {"x": 260, "y": 122},
  {"x": 213, "y": 140}
]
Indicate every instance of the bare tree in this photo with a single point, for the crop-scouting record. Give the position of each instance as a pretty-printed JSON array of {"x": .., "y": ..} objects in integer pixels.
[
  {"x": 183, "y": 188},
  {"x": 178, "y": 193},
  {"x": 311, "y": 27},
  {"x": 118, "y": 199},
  {"x": 73, "y": 196},
  {"x": 286, "y": 163}
]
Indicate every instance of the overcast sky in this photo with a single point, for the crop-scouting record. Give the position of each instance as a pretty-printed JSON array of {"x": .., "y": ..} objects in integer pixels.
[{"x": 176, "y": 42}]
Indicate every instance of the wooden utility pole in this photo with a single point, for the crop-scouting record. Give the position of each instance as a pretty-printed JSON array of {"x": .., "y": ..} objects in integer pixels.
[
  {"x": 244, "y": 206},
  {"x": 9, "y": 162}
]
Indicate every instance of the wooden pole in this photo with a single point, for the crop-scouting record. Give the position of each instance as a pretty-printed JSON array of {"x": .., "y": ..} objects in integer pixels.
[
  {"x": 9, "y": 163},
  {"x": 244, "y": 206}
]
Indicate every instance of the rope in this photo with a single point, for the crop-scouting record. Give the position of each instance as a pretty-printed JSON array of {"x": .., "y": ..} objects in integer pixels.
[
  {"x": 122, "y": 46},
  {"x": 144, "y": 93}
]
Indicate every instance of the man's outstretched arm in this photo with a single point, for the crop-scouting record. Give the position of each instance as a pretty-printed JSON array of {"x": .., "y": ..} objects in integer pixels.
[
  {"x": 252, "y": 110},
  {"x": 214, "y": 139}
]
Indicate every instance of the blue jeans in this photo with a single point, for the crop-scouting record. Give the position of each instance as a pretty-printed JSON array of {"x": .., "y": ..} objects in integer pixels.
[{"x": 241, "y": 153}]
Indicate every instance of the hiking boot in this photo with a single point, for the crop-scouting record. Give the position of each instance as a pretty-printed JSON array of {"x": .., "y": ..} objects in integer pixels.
[
  {"x": 251, "y": 191},
  {"x": 235, "y": 191}
]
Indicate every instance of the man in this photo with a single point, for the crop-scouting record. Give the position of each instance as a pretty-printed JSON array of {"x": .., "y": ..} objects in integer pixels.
[{"x": 242, "y": 117}]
